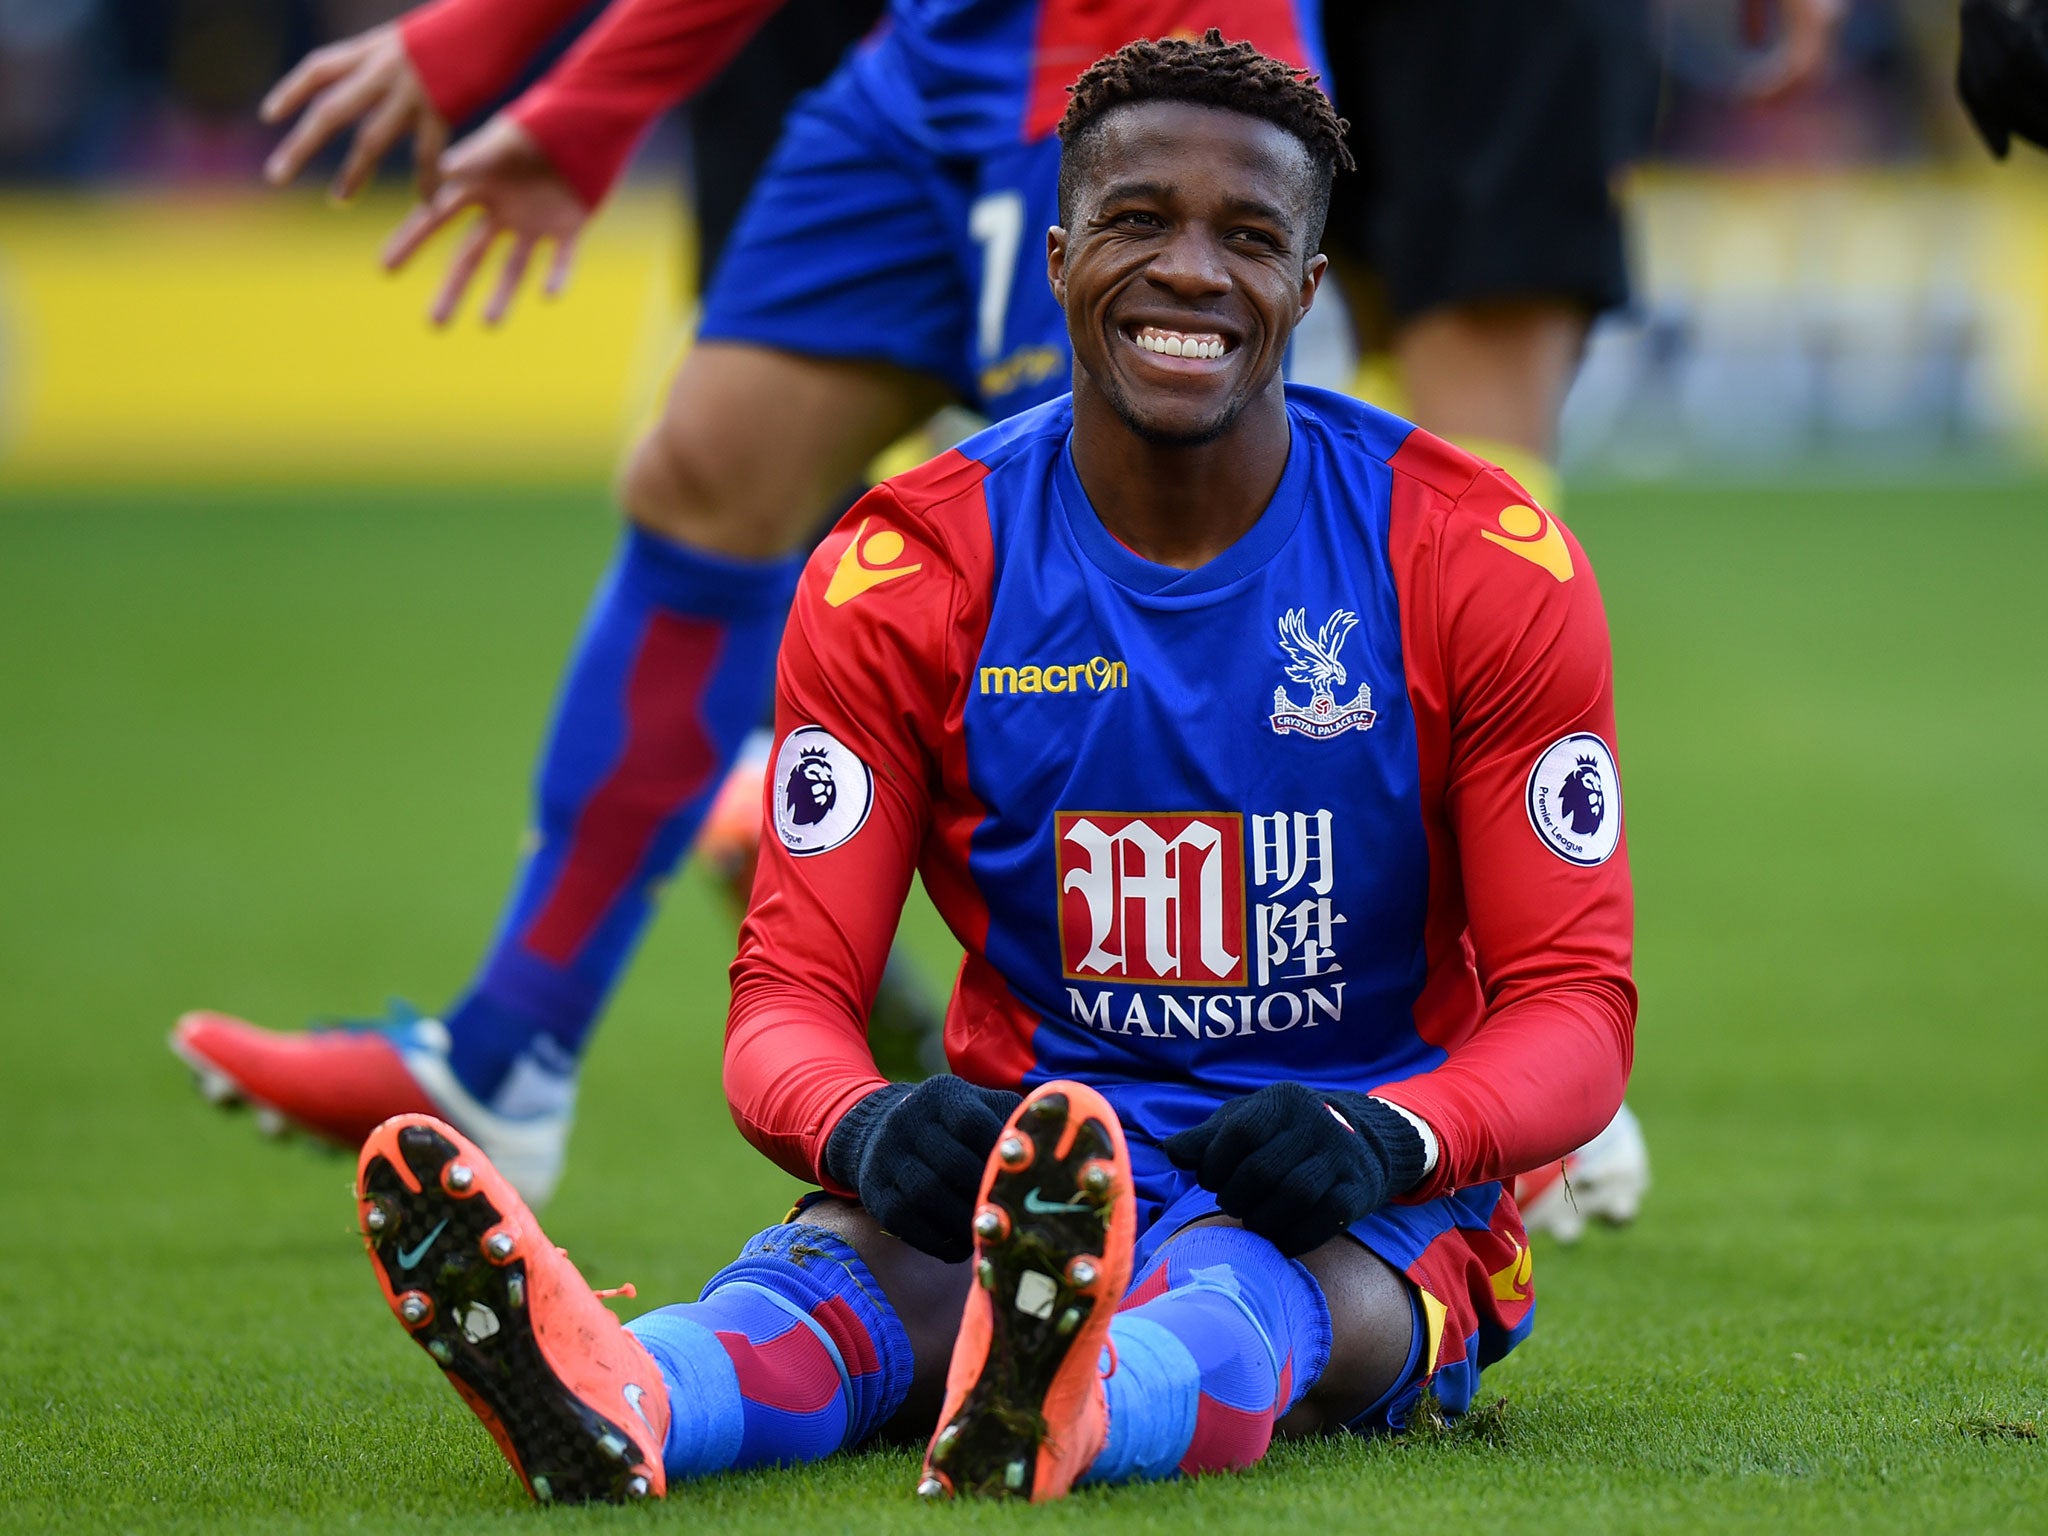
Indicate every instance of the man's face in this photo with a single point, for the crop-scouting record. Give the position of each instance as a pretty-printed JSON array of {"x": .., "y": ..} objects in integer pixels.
[{"x": 1186, "y": 271}]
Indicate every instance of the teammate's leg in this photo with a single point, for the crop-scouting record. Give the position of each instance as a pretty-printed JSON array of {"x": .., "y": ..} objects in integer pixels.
[
  {"x": 1490, "y": 138},
  {"x": 832, "y": 328},
  {"x": 674, "y": 662},
  {"x": 668, "y": 677},
  {"x": 1493, "y": 372}
]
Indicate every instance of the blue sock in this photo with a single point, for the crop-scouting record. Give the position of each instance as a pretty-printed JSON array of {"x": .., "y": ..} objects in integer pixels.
[
  {"x": 675, "y": 659},
  {"x": 1217, "y": 1341},
  {"x": 791, "y": 1353}
]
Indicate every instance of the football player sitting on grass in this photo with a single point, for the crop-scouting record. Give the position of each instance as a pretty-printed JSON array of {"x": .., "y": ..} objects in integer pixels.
[{"x": 1258, "y": 748}]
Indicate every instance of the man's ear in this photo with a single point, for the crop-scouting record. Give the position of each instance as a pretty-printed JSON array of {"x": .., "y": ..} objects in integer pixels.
[
  {"x": 1056, "y": 263},
  {"x": 1312, "y": 280}
]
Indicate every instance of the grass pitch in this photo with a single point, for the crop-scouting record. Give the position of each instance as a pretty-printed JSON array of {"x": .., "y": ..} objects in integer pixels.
[{"x": 268, "y": 752}]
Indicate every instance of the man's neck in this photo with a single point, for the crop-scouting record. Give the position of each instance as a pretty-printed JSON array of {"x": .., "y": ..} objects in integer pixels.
[{"x": 1179, "y": 507}]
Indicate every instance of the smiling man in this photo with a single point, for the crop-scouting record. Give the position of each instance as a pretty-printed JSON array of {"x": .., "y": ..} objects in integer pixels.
[{"x": 1239, "y": 732}]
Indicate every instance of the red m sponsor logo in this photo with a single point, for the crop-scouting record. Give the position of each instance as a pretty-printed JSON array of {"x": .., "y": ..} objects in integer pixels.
[{"x": 1155, "y": 898}]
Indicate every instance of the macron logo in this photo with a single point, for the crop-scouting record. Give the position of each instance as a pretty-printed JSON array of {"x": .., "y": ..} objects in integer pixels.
[
  {"x": 1095, "y": 675},
  {"x": 867, "y": 563},
  {"x": 1535, "y": 537}
]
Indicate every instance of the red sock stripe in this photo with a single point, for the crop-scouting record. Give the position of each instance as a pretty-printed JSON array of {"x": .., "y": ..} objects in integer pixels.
[
  {"x": 847, "y": 1331},
  {"x": 1226, "y": 1439},
  {"x": 792, "y": 1371},
  {"x": 668, "y": 759},
  {"x": 1153, "y": 1285}
]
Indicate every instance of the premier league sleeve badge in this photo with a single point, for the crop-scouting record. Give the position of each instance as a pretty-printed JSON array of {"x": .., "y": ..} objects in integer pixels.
[
  {"x": 823, "y": 793},
  {"x": 1575, "y": 799}
]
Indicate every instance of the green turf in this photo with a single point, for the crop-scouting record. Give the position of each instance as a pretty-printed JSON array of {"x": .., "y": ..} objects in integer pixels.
[{"x": 268, "y": 752}]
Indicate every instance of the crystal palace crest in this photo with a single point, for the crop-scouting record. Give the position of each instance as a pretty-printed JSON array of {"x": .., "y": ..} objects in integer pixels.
[{"x": 1313, "y": 659}]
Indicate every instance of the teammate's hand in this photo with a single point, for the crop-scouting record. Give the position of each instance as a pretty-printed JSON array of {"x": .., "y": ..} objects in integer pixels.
[
  {"x": 500, "y": 171},
  {"x": 1297, "y": 1166},
  {"x": 2002, "y": 75},
  {"x": 915, "y": 1156},
  {"x": 366, "y": 79}
]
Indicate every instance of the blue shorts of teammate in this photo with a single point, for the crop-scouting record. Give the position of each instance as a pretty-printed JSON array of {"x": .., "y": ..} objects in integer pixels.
[{"x": 860, "y": 243}]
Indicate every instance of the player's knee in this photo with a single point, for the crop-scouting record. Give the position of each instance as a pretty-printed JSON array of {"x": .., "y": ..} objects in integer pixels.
[
  {"x": 677, "y": 485},
  {"x": 926, "y": 1293},
  {"x": 1372, "y": 1326}
]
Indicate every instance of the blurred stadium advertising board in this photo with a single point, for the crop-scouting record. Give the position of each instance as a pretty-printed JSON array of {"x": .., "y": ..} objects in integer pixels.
[
  {"x": 1872, "y": 319},
  {"x": 1869, "y": 321},
  {"x": 257, "y": 338}
]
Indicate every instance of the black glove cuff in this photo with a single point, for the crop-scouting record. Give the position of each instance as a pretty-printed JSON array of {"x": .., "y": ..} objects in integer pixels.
[
  {"x": 848, "y": 1142},
  {"x": 1386, "y": 1129}
]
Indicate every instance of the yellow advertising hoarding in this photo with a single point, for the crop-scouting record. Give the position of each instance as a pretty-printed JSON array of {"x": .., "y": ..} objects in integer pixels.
[{"x": 256, "y": 337}]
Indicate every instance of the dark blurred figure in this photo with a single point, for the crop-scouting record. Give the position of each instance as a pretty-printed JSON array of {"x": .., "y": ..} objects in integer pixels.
[
  {"x": 2002, "y": 75},
  {"x": 52, "y": 57},
  {"x": 1482, "y": 234},
  {"x": 158, "y": 88}
]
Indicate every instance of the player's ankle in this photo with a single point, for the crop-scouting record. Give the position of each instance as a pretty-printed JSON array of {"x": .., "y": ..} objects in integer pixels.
[{"x": 488, "y": 1040}]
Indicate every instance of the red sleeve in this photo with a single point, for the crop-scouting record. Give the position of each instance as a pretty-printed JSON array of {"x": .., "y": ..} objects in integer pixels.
[
  {"x": 467, "y": 51},
  {"x": 865, "y": 687},
  {"x": 641, "y": 58},
  {"x": 1511, "y": 669}
]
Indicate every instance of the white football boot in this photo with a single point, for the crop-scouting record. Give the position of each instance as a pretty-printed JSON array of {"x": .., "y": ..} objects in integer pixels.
[{"x": 1604, "y": 1180}]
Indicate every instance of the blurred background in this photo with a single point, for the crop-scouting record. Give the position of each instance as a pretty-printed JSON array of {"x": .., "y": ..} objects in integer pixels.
[{"x": 1834, "y": 277}]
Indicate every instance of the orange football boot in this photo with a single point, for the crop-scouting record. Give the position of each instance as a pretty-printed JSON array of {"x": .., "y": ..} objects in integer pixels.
[
  {"x": 730, "y": 838},
  {"x": 573, "y": 1400},
  {"x": 1025, "y": 1409},
  {"x": 337, "y": 1084},
  {"x": 341, "y": 1081}
]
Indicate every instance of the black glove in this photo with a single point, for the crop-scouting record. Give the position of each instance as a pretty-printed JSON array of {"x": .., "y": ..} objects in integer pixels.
[
  {"x": 914, "y": 1153},
  {"x": 1294, "y": 1172},
  {"x": 2003, "y": 73}
]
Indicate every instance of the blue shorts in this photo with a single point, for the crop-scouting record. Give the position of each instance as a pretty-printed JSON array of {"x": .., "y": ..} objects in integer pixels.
[{"x": 860, "y": 243}]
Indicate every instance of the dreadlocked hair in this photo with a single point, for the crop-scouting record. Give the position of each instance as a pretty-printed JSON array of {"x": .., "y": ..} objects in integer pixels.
[{"x": 1205, "y": 73}]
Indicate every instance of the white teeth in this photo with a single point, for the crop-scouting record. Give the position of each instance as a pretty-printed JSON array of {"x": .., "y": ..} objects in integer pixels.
[{"x": 1171, "y": 344}]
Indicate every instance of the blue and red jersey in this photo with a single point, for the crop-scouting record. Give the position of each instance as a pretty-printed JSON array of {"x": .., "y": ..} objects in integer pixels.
[
  {"x": 963, "y": 77},
  {"x": 1338, "y": 807}
]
